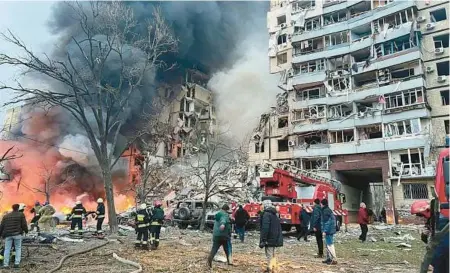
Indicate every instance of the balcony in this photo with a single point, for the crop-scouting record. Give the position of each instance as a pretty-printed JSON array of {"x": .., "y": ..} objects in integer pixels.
[
  {"x": 308, "y": 78},
  {"x": 356, "y": 21},
  {"x": 362, "y": 93},
  {"x": 363, "y": 146}
]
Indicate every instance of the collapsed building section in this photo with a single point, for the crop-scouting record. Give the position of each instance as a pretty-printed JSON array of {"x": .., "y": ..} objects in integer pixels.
[{"x": 367, "y": 95}]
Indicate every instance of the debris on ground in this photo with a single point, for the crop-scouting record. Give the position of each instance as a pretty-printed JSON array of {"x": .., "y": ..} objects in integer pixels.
[{"x": 403, "y": 245}]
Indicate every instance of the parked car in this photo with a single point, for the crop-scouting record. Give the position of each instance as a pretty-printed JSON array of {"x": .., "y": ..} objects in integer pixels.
[{"x": 189, "y": 212}]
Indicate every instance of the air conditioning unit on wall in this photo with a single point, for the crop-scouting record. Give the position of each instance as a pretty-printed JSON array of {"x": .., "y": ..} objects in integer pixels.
[
  {"x": 439, "y": 50},
  {"x": 429, "y": 26},
  {"x": 429, "y": 69},
  {"x": 283, "y": 25},
  {"x": 442, "y": 79},
  {"x": 421, "y": 19},
  {"x": 291, "y": 143}
]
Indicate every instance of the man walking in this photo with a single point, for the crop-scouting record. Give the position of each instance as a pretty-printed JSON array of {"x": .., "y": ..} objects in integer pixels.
[
  {"x": 304, "y": 224},
  {"x": 142, "y": 221},
  {"x": 157, "y": 219},
  {"x": 271, "y": 235},
  {"x": 363, "y": 220},
  {"x": 316, "y": 227},
  {"x": 221, "y": 234},
  {"x": 12, "y": 227},
  {"x": 241, "y": 218},
  {"x": 77, "y": 215},
  {"x": 329, "y": 229}
]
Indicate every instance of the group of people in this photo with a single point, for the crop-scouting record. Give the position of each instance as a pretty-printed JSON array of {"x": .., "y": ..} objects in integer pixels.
[
  {"x": 148, "y": 221},
  {"x": 79, "y": 213}
]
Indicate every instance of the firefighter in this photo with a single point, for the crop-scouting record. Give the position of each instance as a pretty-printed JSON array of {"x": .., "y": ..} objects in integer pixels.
[
  {"x": 156, "y": 223},
  {"x": 46, "y": 214},
  {"x": 142, "y": 221},
  {"x": 77, "y": 218},
  {"x": 22, "y": 207},
  {"x": 34, "y": 222},
  {"x": 100, "y": 215}
]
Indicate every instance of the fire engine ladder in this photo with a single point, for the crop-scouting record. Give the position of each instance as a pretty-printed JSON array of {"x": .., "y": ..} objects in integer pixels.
[{"x": 306, "y": 175}]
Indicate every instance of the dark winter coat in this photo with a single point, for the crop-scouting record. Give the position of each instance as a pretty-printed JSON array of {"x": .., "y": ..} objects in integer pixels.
[
  {"x": 100, "y": 210},
  {"x": 328, "y": 221},
  {"x": 316, "y": 218},
  {"x": 221, "y": 218},
  {"x": 142, "y": 218},
  {"x": 13, "y": 224},
  {"x": 78, "y": 211},
  {"x": 241, "y": 217},
  {"x": 305, "y": 218},
  {"x": 363, "y": 216},
  {"x": 158, "y": 215},
  {"x": 271, "y": 233}
]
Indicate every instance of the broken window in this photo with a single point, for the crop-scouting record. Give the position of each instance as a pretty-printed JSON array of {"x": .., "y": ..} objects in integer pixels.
[
  {"x": 312, "y": 66},
  {"x": 312, "y": 24},
  {"x": 282, "y": 39},
  {"x": 339, "y": 63},
  {"x": 341, "y": 136},
  {"x": 445, "y": 97},
  {"x": 308, "y": 46},
  {"x": 339, "y": 111},
  {"x": 401, "y": 74},
  {"x": 392, "y": 21},
  {"x": 313, "y": 112},
  {"x": 338, "y": 84},
  {"x": 441, "y": 41},
  {"x": 282, "y": 122},
  {"x": 415, "y": 191},
  {"x": 283, "y": 145},
  {"x": 335, "y": 17},
  {"x": 404, "y": 127},
  {"x": 447, "y": 127},
  {"x": 361, "y": 32},
  {"x": 312, "y": 139},
  {"x": 442, "y": 68},
  {"x": 405, "y": 98},
  {"x": 336, "y": 38},
  {"x": 369, "y": 132},
  {"x": 360, "y": 8},
  {"x": 282, "y": 59},
  {"x": 259, "y": 147},
  {"x": 257, "y": 167},
  {"x": 380, "y": 3},
  {"x": 438, "y": 15},
  {"x": 361, "y": 55},
  {"x": 303, "y": 4},
  {"x": 313, "y": 164},
  {"x": 365, "y": 80},
  {"x": 182, "y": 105},
  {"x": 281, "y": 20},
  {"x": 394, "y": 46},
  {"x": 310, "y": 94}
]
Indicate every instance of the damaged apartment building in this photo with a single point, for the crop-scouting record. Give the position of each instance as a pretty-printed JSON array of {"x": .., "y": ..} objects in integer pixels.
[
  {"x": 191, "y": 114},
  {"x": 366, "y": 94}
]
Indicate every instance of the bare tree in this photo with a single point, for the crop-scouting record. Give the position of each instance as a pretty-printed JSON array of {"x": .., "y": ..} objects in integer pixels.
[
  {"x": 215, "y": 159},
  {"x": 107, "y": 36},
  {"x": 7, "y": 156},
  {"x": 50, "y": 183}
]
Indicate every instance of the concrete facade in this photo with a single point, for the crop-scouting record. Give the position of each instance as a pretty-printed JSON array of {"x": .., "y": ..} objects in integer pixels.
[{"x": 366, "y": 87}]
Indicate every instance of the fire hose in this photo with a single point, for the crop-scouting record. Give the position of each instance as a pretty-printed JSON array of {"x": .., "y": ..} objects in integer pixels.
[
  {"x": 128, "y": 262},
  {"x": 74, "y": 254}
]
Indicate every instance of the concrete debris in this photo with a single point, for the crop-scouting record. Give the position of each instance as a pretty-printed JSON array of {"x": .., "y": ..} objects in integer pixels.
[
  {"x": 183, "y": 243},
  {"x": 403, "y": 245},
  {"x": 282, "y": 103},
  {"x": 221, "y": 259},
  {"x": 383, "y": 227},
  {"x": 373, "y": 239},
  {"x": 127, "y": 228},
  {"x": 398, "y": 233},
  {"x": 406, "y": 237}
]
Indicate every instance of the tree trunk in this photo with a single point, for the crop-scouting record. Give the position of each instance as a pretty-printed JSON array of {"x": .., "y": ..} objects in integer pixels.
[
  {"x": 203, "y": 217},
  {"x": 47, "y": 197},
  {"x": 112, "y": 216}
]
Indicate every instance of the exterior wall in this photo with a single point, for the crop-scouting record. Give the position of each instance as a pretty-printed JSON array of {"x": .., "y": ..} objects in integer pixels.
[
  {"x": 403, "y": 206},
  {"x": 12, "y": 119}
]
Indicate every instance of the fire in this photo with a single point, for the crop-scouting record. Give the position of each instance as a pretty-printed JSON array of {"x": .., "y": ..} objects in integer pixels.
[{"x": 66, "y": 210}]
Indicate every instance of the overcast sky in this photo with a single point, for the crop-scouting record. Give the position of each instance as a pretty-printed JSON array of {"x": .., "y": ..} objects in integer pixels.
[{"x": 27, "y": 20}]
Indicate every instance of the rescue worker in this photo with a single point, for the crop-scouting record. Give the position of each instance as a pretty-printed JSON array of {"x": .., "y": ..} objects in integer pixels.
[
  {"x": 156, "y": 223},
  {"x": 46, "y": 214},
  {"x": 142, "y": 221},
  {"x": 34, "y": 222},
  {"x": 77, "y": 218},
  {"x": 100, "y": 215}
]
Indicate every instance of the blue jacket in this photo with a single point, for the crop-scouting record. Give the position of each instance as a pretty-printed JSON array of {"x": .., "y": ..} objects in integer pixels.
[
  {"x": 441, "y": 254},
  {"x": 316, "y": 218},
  {"x": 304, "y": 218},
  {"x": 328, "y": 221}
]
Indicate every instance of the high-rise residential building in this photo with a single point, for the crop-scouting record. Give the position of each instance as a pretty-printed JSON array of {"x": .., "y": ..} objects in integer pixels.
[
  {"x": 12, "y": 119},
  {"x": 365, "y": 96}
]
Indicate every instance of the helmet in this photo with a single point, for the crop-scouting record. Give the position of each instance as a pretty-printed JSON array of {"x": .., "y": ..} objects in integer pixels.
[
  {"x": 143, "y": 206},
  {"x": 37, "y": 203},
  {"x": 22, "y": 206},
  {"x": 99, "y": 200},
  {"x": 421, "y": 208},
  {"x": 78, "y": 202},
  {"x": 157, "y": 203}
]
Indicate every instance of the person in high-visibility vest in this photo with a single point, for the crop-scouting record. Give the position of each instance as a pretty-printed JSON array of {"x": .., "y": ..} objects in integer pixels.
[
  {"x": 142, "y": 223},
  {"x": 156, "y": 223},
  {"x": 100, "y": 215},
  {"x": 77, "y": 218}
]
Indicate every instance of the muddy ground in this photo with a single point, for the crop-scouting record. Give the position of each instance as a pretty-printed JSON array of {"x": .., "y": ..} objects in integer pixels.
[{"x": 186, "y": 251}]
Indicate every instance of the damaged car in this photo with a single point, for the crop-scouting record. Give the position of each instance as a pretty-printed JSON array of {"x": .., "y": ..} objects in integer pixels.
[{"x": 189, "y": 213}]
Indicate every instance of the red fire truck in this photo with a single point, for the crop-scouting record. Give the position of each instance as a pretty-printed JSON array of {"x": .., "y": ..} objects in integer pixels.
[{"x": 289, "y": 187}]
